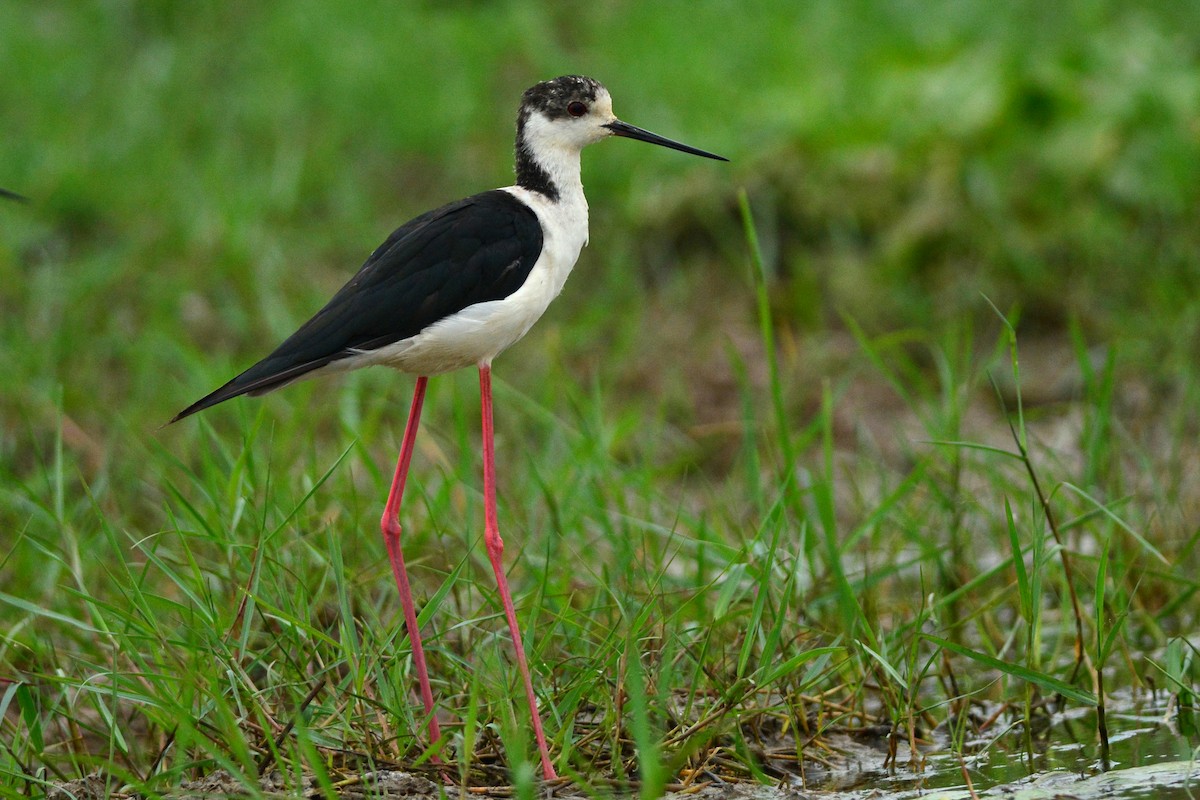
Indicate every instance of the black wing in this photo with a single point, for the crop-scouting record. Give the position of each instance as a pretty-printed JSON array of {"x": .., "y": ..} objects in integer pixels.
[{"x": 472, "y": 251}]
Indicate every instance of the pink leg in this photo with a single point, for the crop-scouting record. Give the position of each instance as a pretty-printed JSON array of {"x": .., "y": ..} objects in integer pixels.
[
  {"x": 390, "y": 525},
  {"x": 495, "y": 548}
]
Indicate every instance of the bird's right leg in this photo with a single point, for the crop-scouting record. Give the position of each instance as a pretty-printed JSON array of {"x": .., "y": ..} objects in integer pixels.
[
  {"x": 495, "y": 548},
  {"x": 390, "y": 524}
]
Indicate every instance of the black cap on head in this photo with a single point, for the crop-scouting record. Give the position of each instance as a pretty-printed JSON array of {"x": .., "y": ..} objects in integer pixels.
[{"x": 552, "y": 97}]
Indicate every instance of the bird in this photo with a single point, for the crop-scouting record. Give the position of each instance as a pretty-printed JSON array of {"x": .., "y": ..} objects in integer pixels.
[{"x": 452, "y": 289}]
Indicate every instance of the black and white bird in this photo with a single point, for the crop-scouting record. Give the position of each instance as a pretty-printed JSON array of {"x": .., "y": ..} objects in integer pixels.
[{"x": 454, "y": 288}]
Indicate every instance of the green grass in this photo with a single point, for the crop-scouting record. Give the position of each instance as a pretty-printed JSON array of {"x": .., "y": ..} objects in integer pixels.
[{"x": 831, "y": 453}]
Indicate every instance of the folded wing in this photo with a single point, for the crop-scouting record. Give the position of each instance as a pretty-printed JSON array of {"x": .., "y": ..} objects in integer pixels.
[{"x": 471, "y": 251}]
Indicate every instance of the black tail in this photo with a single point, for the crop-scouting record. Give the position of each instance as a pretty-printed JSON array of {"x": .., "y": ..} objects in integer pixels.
[{"x": 263, "y": 377}]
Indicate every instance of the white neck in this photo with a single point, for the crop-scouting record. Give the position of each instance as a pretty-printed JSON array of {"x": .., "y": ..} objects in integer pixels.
[{"x": 548, "y": 163}]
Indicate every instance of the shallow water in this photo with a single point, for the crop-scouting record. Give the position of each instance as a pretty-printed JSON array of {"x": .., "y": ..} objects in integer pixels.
[{"x": 1152, "y": 753}]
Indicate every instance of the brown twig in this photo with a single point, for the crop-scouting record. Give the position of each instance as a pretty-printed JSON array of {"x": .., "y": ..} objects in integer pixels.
[
  {"x": 269, "y": 755},
  {"x": 1044, "y": 501}
]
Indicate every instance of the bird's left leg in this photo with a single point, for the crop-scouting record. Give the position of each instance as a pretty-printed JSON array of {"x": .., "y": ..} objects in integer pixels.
[
  {"x": 495, "y": 548},
  {"x": 390, "y": 524}
]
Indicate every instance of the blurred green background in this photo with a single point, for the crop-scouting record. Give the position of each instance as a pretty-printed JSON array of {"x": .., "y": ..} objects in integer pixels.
[{"x": 203, "y": 175}]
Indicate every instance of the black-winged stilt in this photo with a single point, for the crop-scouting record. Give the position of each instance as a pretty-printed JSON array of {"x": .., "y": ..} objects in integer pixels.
[{"x": 454, "y": 288}]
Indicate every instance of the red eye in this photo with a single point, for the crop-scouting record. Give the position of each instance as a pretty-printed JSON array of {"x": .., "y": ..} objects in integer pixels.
[{"x": 576, "y": 109}]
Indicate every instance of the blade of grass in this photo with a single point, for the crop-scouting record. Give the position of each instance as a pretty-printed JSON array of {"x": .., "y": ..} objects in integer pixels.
[{"x": 1047, "y": 682}]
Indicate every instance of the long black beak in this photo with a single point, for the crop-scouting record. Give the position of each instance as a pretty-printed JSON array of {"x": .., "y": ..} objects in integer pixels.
[
  {"x": 7, "y": 195},
  {"x": 633, "y": 132}
]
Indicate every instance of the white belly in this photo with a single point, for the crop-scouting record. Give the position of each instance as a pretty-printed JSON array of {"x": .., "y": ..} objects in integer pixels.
[{"x": 479, "y": 333}]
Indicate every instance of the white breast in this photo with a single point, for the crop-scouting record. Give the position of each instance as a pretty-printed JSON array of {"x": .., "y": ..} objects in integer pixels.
[{"x": 479, "y": 333}]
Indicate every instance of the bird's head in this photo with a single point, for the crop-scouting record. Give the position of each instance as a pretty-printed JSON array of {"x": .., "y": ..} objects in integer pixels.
[{"x": 572, "y": 112}]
